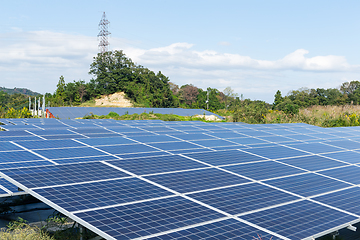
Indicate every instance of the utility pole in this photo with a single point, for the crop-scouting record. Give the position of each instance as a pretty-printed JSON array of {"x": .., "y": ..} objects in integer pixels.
[{"x": 103, "y": 34}]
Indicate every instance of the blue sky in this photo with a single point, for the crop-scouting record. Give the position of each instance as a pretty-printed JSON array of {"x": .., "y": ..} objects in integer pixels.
[{"x": 255, "y": 47}]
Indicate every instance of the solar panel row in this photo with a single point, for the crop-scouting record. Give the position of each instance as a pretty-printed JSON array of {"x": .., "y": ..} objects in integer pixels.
[{"x": 181, "y": 180}]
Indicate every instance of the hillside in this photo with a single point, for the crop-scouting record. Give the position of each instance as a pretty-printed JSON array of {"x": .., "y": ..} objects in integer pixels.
[{"x": 19, "y": 90}]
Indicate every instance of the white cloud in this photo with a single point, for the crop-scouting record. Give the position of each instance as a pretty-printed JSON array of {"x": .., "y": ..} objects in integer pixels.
[
  {"x": 182, "y": 54},
  {"x": 224, "y": 43},
  {"x": 37, "y": 59}
]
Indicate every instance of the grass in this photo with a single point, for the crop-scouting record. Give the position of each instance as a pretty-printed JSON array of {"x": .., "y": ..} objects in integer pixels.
[
  {"x": 147, "y": 116},
  {"x": 57, "y": 227}
]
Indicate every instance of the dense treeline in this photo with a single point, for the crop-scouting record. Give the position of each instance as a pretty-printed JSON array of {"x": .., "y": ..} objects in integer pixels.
[
  {"x": 16, "y": 100},
  {"x": 114, "y": 72},
  {"x": 347, "y": 93}
]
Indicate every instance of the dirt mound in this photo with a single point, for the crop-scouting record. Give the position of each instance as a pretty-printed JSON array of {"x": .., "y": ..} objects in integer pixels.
[
  {"x": 116, "y": 100},
  {"x": 208, "y": 117}
]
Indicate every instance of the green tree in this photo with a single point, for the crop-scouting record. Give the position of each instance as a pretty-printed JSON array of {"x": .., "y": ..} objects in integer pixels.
[{"x": 278, "y": 99}]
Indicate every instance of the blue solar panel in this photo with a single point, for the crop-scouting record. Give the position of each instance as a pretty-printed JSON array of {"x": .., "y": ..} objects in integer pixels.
[
  {"x": 276, "y": 152},
  {"x": 263, "y": 170},
  {"x": 313, "y": 162},
  {"x": 169, "y": 146},
  {"x": 316, "y": 147},
  {"x": 69, "y": 152},
  {"x": 277, "y": 139},
  {"x": 350, "y": 157},
  {"x": 348, "y": 200},
  {"x": 151, "y": 165},
  {"x": 18, "y": 156},
  {"x": 101, "y": 194},
  {"x": 7, "y": 146},
  {"x": 24, "y": 138},
  {"x": 227, "y": 134},
  {"x": 197, "y": 180},
  {"x": 193, "y": 150},
  {"x": 91, "y": 130},
  {"x": 347, "y": 144},
  {"x": 299, "y": 220},
  {"x": 349, "y": 174},
  {"x": 63, "y": 174},
  {"x": 44, "y": 144},
  {"x": 106, "y": 141},
  {"x": 22, "y": 164},
  {"x": 307, "y": 184},
  {"x": 85, "y": 159},
  {"x": 142, "y": 219},
  {"x": 226, "y": 229},
  {"x": 225, "y": 157},
  {"x": 141, "y": 155},
  {"x": 69, "y": 136},
  {"x": 129, "y": 148},
  {"x": 214, "y": 143},
  {"x": 8, "y": 185},
  {"x": 192, "y": 136},
  {"x": 305, "y": 138},
  {"x": 102, "y": 135},
  {"x": 52, "y": 132},
  {"x": 247, "y": 140},
  {"x": 154, "y": 138},
  {"x": 244, "y": 198}
]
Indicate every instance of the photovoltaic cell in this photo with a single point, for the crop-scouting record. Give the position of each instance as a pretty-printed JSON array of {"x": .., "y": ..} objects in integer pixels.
[
  {"x": 299, "y": 220},
  {"x": 348, "y": 156},
  {"x": 226, "y": 229},
  {"x": 247, "y": 140},
  {"x": 69, "y": 152},
  {"x": 25, "y": 164},
  {"x": 69, "y": 136},
  {"x": 7, "y": 146},
  {"x": 154, "y": 138},
  {"x": 349, "y": 174},
  {"x": 347, "y": 144},
  {"x": 85, "y": 159},
  {"x": 276, "y": 152},
  {"x": 214, "y": 143},
  {"x": 307, "y": 184},
  {"x": 263, "y": 170},
  {"x": 225, "y": 157},
  {"x": 192, "y": 136},
  {"x": 174, "y": 146},
  {"x": 151, "y": 165},
  {"x": 277, "y": 139},
  {"x": 18, "y": 156},
  {"x": 44, "y": 144},
  {"x": 244, "y": 198},
  {"x": 101, "y": 194},
  {"x": 128, "y": 148},
  {"x": 106, "y": 141},
  {"x": 197, "y": 180},
  {"x": 63, "y": 174},
  {"x": 142, "y": 219},
  {"x": 348, "y": 200},
  {"x": 313, "y": 162},
  {"x": 8, "y": 185}
]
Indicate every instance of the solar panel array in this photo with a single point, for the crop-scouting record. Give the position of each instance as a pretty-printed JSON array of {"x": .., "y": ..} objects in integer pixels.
[
  {"x": 187, "y": 180},
  {"x": 79, "y": 112}
]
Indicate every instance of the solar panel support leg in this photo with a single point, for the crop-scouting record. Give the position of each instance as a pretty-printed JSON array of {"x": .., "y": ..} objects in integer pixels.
[
  {"x": 352, "y": 228},
  {"x": 81, "y": 229}
]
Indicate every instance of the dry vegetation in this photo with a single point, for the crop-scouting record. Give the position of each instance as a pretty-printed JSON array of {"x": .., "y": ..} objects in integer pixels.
[{"x": 323, "y": 116}]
